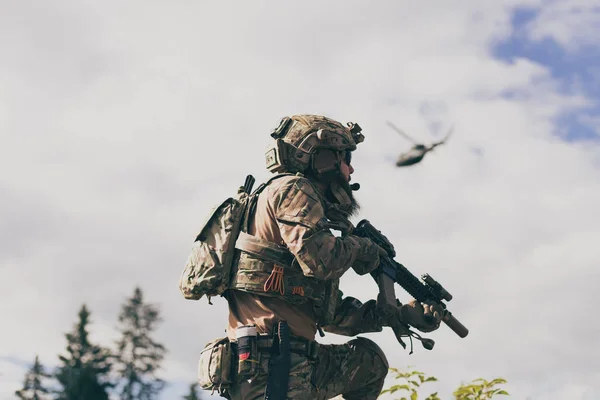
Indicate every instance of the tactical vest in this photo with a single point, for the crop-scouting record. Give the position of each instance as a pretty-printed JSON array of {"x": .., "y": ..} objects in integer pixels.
[{"x": 268, "y": 269}]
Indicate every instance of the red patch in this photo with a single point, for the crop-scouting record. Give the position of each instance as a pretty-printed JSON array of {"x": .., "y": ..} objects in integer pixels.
[
  {"x": 244, "y": 356},
  {"x": 298, "y": 290}
]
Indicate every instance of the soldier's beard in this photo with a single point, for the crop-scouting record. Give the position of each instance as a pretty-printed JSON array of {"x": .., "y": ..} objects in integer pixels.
[
  {"x": 338, "y": 193},
  {"x": 348, "y": 205}
]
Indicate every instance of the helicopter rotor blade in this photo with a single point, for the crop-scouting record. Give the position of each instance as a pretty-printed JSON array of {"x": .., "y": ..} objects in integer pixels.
[
  {"x": 401, "y": 132},
  {"x": 450, "y": 131}
]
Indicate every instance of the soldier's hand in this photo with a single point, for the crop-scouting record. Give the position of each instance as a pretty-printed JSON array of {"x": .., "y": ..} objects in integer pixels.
[{"x": 426, "y": 316}]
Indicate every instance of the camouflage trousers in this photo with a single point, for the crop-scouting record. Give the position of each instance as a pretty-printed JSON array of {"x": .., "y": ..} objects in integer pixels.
[{"x": 356, "y": 370}]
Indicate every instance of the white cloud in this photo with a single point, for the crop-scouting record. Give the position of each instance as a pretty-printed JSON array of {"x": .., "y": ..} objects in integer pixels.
[
  {"x": 571, "y": 23},
  {"x": 122, "y": 124}
]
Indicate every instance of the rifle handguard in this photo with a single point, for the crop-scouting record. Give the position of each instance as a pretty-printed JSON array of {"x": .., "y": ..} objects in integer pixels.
[{"x": 427, "y": 289}]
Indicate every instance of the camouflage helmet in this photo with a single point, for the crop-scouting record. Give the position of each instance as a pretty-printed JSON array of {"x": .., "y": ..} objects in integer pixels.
[{"x": 299, "y": 137}]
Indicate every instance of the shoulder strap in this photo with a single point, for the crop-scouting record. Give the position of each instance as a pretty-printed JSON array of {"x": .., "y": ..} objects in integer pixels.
[
  {"x": 251, "y": 206},
  {"x": 271, "y": 179}
]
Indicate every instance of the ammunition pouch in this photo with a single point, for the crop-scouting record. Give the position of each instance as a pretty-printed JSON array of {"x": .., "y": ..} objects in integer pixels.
[{"x": 215, "y": 371}]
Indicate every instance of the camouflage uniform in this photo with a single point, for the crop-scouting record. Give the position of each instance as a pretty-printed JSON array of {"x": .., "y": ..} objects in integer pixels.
[
  {"x": 293, "y": 212},
  {"x": 272, "y": 254},
  {"x": 357, "y": 369}
]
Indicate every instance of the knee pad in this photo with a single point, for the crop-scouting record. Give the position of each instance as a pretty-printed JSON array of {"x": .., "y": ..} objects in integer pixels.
[{"x": 366, "y": 345}]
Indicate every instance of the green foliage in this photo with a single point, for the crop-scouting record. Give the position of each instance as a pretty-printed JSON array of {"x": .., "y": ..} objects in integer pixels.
[
  {"x": 85, "y": 370},
  {"x": 480, "y": 389},
  {"x": 138, "y": 355},
  {"x": 89, "y": 371},
  {"x": 193, "y": 394},
  {"x": 33, "y": 388},
  {"x": 412, "y": 381}
]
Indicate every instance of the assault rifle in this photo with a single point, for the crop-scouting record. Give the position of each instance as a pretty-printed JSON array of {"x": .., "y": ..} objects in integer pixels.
[{"x": 390, "y": 272}]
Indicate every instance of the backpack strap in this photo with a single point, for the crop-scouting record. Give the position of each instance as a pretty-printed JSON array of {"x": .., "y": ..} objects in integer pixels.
[{"x": 251, "y": 207}]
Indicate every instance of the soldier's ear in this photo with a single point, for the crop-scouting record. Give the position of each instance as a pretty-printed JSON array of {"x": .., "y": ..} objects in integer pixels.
[{"x": 324, "y": 159}]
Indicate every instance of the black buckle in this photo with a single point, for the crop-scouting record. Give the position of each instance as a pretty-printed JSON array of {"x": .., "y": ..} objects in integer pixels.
[{"x": 312, "y": 350}]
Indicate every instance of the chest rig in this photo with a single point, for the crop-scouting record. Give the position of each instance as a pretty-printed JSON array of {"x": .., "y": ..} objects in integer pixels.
[{"x": 269, "y": 269}]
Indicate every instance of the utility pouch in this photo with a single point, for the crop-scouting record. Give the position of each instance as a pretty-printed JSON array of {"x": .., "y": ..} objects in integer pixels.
[
  {"x": 247, "y": 351},
  {"x": 215, "y": 366}
]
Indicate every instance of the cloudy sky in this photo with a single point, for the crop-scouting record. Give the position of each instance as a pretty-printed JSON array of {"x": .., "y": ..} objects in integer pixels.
[{"x": 123, "y": 122}]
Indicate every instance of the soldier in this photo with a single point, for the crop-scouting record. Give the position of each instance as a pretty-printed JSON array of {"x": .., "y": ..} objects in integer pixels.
[{"x": 285, "y": 278}]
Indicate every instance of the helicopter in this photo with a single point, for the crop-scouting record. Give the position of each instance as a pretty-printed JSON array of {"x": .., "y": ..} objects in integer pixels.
[{"x": 418, "y": 151}]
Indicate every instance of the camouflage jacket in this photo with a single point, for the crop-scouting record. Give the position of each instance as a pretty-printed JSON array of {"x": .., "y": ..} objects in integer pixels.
[{"x": 290, "y": 214}]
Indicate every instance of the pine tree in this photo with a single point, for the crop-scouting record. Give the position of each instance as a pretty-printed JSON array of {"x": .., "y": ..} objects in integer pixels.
[
  {"x": 33, "y": 388},
  {"x": 139, "y": 356},
  {"x": 85, "y": 370},
  {"x": 193, "y": 395}
]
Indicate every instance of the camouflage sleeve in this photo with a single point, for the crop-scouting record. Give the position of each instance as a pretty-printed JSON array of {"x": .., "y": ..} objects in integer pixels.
[
  {"x": 301, "y": 220},
  {"x": 353, "y": 317}
]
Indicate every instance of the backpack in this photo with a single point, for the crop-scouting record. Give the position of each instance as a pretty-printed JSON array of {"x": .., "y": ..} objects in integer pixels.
[{"x": 208, "y": 268}]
